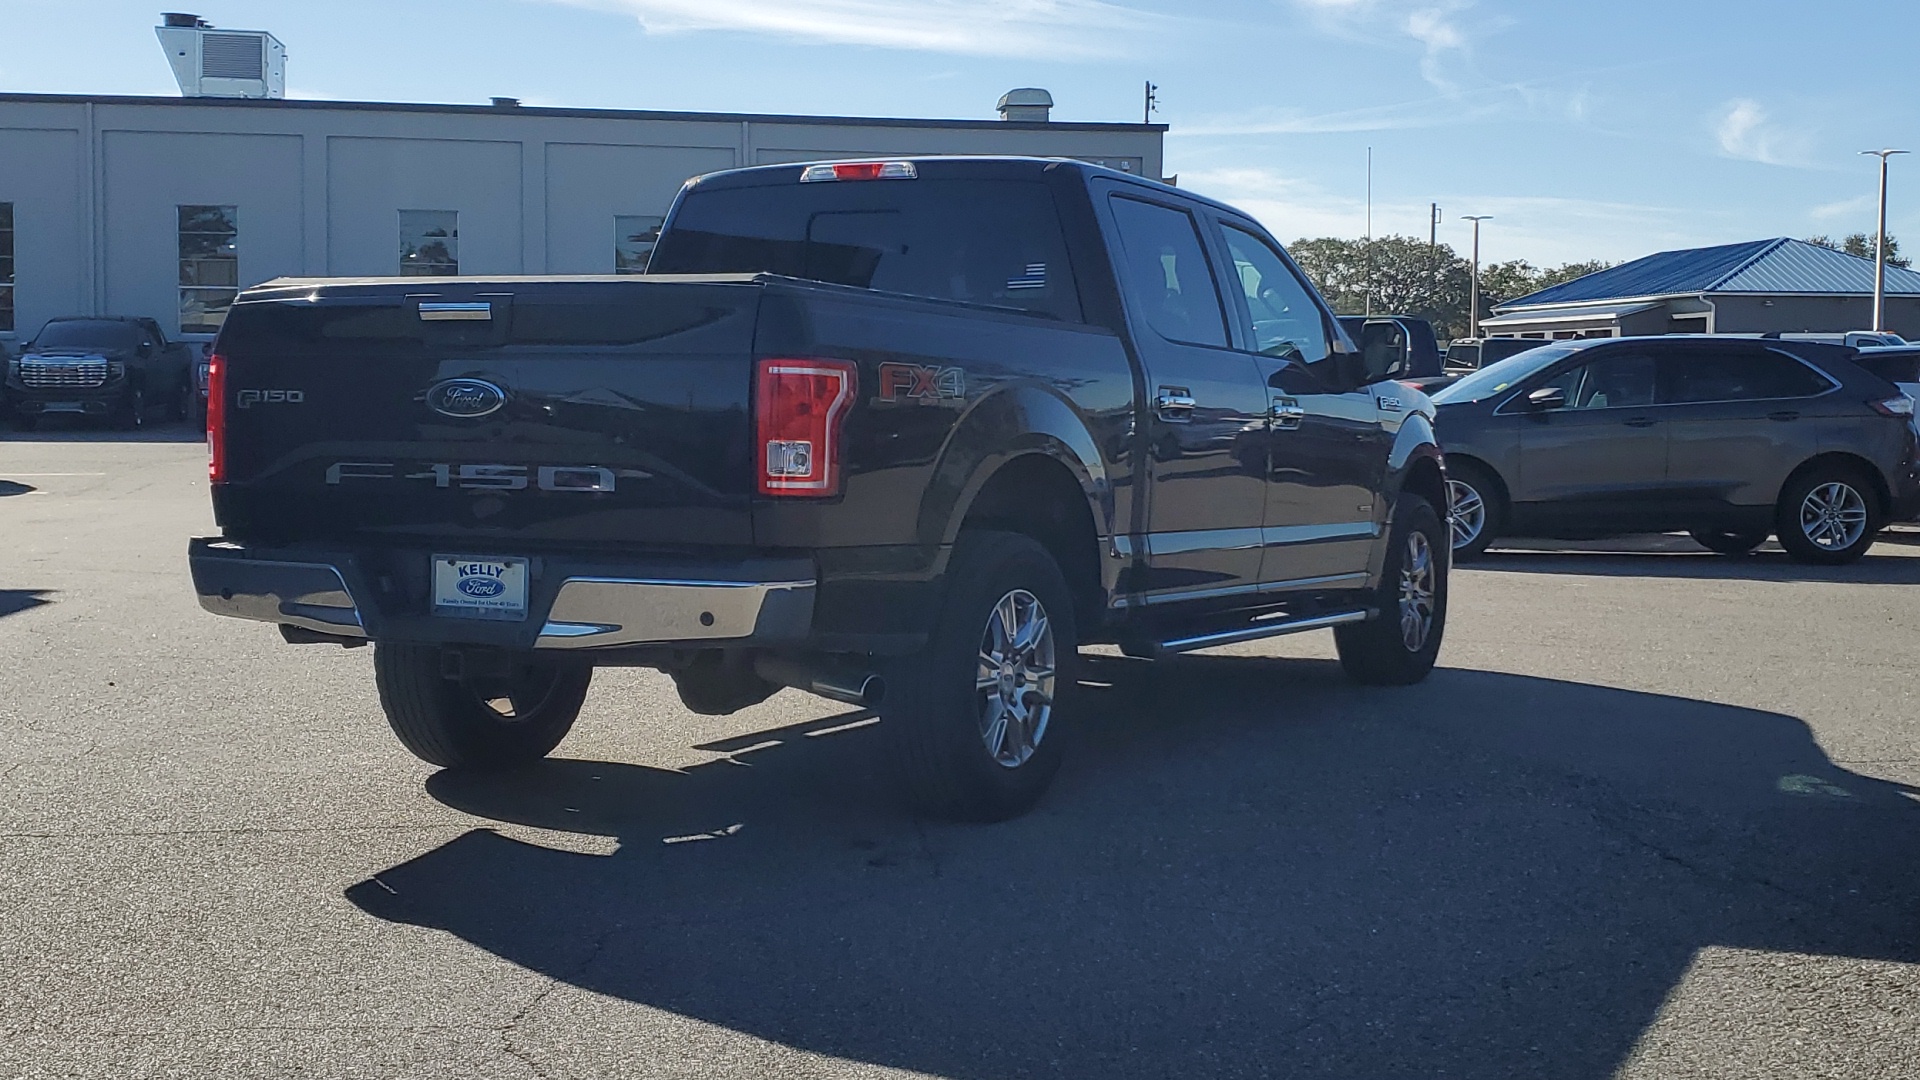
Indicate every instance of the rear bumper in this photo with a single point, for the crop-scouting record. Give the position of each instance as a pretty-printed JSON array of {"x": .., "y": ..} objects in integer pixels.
[{"x": 572, "y": 604}]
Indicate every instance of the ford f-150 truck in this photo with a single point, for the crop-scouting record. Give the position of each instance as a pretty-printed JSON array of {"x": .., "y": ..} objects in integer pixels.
[{"x": 906, "y": 434}]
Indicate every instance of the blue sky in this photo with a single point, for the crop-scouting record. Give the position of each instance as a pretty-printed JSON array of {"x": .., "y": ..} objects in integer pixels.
[{"x": 1587, "y": 130}]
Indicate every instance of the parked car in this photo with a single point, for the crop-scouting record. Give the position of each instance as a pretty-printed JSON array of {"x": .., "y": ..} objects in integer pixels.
[
  {"x": 116, "y": 368},
  {"x": 1409, "y": 335},
  {"x": 1467, "y": 355},
  {"x": 1730, "y": 439},
  {"x": 905, "y": 434}
]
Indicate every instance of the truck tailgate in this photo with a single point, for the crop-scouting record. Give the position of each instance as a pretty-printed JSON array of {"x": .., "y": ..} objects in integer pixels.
[{"x": 550, "y": 414}]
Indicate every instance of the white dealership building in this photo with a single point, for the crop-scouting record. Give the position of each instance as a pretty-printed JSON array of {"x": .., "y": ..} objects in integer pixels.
[{"x": 164, "y": 207}]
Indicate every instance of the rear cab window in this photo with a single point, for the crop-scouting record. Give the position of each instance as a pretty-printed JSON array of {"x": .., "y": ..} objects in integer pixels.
[
  {"x": 1167, "y": 272},
  {"x": 996, "y": 243}
]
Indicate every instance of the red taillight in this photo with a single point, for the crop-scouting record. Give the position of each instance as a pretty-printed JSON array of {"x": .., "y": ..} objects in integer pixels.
[
  {"x": 799, "y": 408},
  {"x": 217, "y": 419}
]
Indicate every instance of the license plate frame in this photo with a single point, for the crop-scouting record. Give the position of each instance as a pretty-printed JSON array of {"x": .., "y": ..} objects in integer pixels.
[{"x": 480, "y": 587}]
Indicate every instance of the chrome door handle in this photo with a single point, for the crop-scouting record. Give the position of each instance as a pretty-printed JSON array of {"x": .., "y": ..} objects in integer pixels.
[
  {"x": 1287, "y": 414},
  {"x": 1175, "y": 404}
]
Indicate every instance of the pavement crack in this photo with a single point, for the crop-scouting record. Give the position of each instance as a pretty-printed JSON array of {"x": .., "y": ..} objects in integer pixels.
[{"x": 570, "y": 977}]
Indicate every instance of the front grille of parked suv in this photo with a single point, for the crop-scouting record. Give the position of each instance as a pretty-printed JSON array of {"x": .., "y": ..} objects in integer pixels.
[{"x": 39, "y": 373}]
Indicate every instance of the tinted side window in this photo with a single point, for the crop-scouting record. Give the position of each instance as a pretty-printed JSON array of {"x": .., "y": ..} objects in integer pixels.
[
  {"x": 994, "y": 242},
  {"x": 1737, "y": 375},
  {"x": 1167, "y": 274},
  {"x": 1620, "y": 381},
  {"x": 1286, "y": 321}
]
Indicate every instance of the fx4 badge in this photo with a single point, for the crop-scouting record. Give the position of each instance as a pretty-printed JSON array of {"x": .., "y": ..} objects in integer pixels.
[{"x": 924, "y": 385}]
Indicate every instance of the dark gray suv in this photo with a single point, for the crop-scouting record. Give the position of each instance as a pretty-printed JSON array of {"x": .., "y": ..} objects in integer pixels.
[{"x": 1728, "y": 439}]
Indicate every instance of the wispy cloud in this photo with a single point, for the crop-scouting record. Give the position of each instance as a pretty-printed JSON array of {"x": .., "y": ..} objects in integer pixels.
[
  {"x": 1746, "y": 131},
  {"x": 1546, "y": 230},
  {"x": 1008, "y": 28},
  {"x": 1432, "y": 24},
  {"x": 1841, "y": 209}
]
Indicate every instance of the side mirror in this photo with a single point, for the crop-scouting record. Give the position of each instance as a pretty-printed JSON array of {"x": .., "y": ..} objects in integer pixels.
[
  {"x": 1547, "y": 397},
  {"x": 1384, "y": 351}
]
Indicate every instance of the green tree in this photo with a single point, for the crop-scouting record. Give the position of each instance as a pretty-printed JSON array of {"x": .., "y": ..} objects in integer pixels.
[
  {"x": 1401, "y": 274},
  {"x": 1562, "y": 274},
  {"x": 1860, "y": 245}
]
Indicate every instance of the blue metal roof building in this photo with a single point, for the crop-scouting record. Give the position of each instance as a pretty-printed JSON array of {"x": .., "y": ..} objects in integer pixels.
[{"x": 1756, "y": 287}]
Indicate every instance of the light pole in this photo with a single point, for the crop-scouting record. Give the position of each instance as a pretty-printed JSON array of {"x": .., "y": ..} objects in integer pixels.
[
  {"x": 1473, "y": 313},
  {"x": 1880, "y": 243}
]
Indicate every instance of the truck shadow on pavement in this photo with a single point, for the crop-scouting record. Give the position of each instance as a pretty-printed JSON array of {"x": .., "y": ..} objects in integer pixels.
[
  {"x": 1250, "y": 867},
  {"x": 15, "y": 601},
  {"x": 1881, "y": 566}
]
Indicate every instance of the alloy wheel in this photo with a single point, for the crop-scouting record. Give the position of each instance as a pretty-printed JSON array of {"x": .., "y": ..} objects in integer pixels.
[
  {"x": 1833, "y": 516},
  {"x": 1015, "y": 678},
  {"x": 1468, "y": 513},
  {"x": 1416, "y": 592}
]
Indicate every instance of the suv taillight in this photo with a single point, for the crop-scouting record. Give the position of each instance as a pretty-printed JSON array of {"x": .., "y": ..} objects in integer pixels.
[
  {"x": 799, "y": 409},
  {"x": 217, "y": 419},
  {"x": 1894, "y": 406}
]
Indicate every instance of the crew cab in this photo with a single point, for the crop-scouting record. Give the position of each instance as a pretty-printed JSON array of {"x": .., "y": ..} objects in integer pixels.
[
  {"x": 121, "y": 369},
  {"x": 905, "y": 434}
]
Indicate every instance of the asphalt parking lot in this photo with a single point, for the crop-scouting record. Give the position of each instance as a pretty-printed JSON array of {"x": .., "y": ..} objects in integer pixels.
[{"x": 1655, "y": 817}]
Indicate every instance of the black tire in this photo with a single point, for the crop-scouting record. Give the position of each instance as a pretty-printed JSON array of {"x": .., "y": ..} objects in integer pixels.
[
  {"x": 940, "y": 718},
  {"x": 182, "y": 410},
  {"x": 131, "y": 414},
  {"x": 1394, "y": 649},
  {"x": 1735, "y": 542},
  {"x": 449, "y": 723},
  {"x": 1467, "y": 480},
  {"x": 1820, "y": 539}
]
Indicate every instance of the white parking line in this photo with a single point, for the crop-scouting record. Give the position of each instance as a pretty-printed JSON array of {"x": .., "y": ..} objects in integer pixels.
[{"x": 39, "y": 475}]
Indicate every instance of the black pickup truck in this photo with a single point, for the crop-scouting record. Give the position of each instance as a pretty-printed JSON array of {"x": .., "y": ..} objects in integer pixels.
[
  {"x": 905, "y": 434},
  {"x": 114, "y": 368}
]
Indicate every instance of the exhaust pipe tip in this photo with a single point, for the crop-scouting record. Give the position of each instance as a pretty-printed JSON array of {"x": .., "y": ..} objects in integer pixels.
[{"x": 873, "y": 691}]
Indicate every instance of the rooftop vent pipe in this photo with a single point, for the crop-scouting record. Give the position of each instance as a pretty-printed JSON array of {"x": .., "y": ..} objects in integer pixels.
[{"x": 1027, "y": 105}]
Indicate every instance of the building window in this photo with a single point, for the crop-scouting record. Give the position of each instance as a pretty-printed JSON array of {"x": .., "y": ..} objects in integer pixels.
[
  {"x": 633, "y": 239},
  {"x": 429, "y": 243},
  {"x": 6, "y": 267},
  {"x": 209, "y": 266}
]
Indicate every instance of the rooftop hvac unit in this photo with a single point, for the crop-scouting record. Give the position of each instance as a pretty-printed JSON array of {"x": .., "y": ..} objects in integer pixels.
[{"x": 209, "y": 62}]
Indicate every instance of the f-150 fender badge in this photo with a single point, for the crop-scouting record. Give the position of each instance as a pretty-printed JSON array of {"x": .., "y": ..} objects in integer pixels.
[
  {"x": 1391, "y": 404},
  {"x": 920, "y": 384}
]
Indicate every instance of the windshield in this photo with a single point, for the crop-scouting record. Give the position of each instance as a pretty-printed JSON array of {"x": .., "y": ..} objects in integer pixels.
[
  {"x": 1494, "y": 378},
  {"x": 89, "y": 334}
]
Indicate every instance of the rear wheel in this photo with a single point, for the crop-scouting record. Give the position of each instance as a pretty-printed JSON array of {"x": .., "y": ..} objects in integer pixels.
[
  {"x": 478, "y": 723},
  {"x": 1398, "y": 647},
  {"x": 974, "y": 719},
  {"x": 1476, "y": 513},
  {"x": 1729, "y": 541},
  {"x": 1828, "y": 516}
]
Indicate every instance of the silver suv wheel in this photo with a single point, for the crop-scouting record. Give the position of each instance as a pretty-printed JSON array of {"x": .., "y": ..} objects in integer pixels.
[
  {"x": 1833, "y": 516},
  {"x": 1468, "y": 515}
]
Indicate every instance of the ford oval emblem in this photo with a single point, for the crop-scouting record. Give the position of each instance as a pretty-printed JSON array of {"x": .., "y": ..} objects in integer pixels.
[
  {"x": 465, "y": 399},
  {"x": 482, "y": 588}
]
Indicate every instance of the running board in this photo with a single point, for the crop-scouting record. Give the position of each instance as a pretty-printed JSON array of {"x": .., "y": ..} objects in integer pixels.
[{"x": 1276, "y": 628}]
